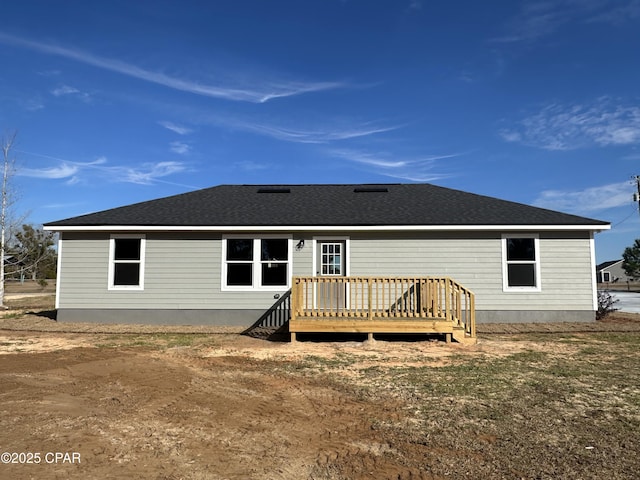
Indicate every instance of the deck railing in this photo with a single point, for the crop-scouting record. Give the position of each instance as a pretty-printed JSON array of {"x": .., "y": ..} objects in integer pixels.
[{"x": 383, "y": 299}]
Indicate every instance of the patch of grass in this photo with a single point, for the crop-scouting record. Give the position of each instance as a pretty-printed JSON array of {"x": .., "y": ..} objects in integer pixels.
[
  {"x": 565, "y": 413},
  {"x": 159, "y": 341}
]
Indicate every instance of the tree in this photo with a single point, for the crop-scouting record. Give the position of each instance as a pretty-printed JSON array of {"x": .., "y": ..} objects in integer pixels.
[
  {"x": 631, "y": 260},
  {"x": 32, "y": 253},
  {"x": 8, "y": 169}
]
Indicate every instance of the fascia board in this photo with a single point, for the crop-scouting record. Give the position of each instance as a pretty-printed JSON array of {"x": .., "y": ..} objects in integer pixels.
[{"x": 322, "y": 228}]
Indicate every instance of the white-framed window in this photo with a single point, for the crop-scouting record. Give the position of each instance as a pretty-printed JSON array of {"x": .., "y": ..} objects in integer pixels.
[
  {"x": 250, "y": 262},
  {"x": 520, "y": 262},
  {"x": 606, "y": 276},
  {"x": 126, "y": 262}
]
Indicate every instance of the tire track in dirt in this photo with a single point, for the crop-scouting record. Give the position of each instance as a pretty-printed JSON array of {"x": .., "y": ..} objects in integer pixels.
[
  {"x": 337, "y": 451},
  {"x": 151, "y": 414},
  {"x": 246, "y": 412}
]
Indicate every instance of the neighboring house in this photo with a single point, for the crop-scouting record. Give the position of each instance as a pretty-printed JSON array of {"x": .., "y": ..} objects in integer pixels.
[
  {"x": 612, "y": 272},
  {"x": 225, "y": 255}
]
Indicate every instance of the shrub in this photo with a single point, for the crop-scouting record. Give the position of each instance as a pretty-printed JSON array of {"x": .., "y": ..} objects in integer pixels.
[{"x": 605, "y": 304}]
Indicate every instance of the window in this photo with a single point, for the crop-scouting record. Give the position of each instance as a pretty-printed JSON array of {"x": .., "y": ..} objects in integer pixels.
[
  {"x": 239, "y": 262},
  {"x": 256, "y": 263},
  {"x": 331, "y": 260},
  {"x": 520, "y": 263},
  {"x": 126, "y": 266}
]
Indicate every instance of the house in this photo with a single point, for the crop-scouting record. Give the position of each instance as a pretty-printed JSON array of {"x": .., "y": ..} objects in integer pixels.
[
  {"x": 612, "y": 272},
  {"x": 227, "y": 254}
]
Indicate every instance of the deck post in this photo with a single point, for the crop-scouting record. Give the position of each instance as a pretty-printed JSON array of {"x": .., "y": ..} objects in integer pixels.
[
  {"x": 370, "y": 299},
  {"x": 293, "y": 337},
  {"x": 472, "y": 315},
  {"x": 447, "y": 299},
  {"x": 370, "y": 337},
  {"x": 293, "y": 302}
]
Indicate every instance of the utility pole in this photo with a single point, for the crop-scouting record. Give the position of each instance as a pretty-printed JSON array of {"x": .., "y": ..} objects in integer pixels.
[{"x": 636, "y": 196}]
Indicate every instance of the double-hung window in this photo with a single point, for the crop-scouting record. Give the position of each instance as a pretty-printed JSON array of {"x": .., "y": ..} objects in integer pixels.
[
  {"x": 521, "y": 263},
  {"x": 256, "y": 263},
  {"x": 126, "y": 262}
]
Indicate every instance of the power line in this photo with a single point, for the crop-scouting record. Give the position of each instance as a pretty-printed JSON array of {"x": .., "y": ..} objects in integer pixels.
[{"x": 623, "y": 220}]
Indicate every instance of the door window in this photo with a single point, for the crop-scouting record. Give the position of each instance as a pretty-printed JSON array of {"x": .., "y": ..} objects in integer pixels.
[{"x": 331, "y": 258}]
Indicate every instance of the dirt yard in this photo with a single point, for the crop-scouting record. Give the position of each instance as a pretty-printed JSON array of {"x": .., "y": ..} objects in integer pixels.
[{"x": 170, "y": 405}]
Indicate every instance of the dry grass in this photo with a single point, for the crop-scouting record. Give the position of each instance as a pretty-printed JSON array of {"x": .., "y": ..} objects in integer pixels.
[{"x": 546, "y": 402}]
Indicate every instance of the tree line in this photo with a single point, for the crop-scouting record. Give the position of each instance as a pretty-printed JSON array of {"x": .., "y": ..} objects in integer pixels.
[
  {"x": 27, "y": 252},
  {"x": 30, "y": 255}
]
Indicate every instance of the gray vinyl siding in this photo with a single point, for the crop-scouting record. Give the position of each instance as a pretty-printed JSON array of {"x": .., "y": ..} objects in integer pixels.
[
  {"x": 184, "y": 270},
  {"x": 475, "y": 261}
]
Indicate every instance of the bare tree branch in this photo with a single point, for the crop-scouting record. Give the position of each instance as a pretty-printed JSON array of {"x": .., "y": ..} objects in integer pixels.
[{"x": 8, "y": 169}]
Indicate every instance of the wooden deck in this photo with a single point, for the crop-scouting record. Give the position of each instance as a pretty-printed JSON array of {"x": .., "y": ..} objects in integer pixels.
[{"x": 382, "y": 305}]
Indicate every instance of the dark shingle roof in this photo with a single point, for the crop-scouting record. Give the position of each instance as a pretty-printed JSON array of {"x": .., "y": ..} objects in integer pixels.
[
  {"x": 326, "y": 205},
  {"x": 604, "y": 265}
]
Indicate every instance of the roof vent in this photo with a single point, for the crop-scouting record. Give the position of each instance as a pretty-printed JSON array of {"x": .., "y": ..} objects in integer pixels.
[
  {"x": 274, "y": 190},
  {"x": 370, "y": 190}
]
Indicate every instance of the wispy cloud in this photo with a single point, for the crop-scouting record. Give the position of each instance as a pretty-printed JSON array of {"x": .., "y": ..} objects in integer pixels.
[
  {"x": 618, "y": 13},
  {"x": 149, "y": 173},
  {"x": 67, "y": 90},
  {"x": 340, "y": 130},
  {"x": 419, "y": 169},
  {"x": 535, "y": 20},
  {"x": 588, "y": 200},
  {"x": 252, "y": 166},
  {"x": 542, "y": 18},
  {"x": 75, "y": 172},
  {"x": 181, "y": 148},
  {"x": 174, "y": 127},
  {"x": 64, "y": 170},
  {"x": 567, "y": 127},
  {"x": 260, "y": 92},
  {"x": 64, "y": 90},
  {"x": 32, "y": 104}
]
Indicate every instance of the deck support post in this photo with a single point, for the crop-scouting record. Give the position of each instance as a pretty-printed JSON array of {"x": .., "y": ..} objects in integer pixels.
[
  {"x": 370, "y": 337},
  {"x": 293, "y": 337},
  {"x": 447, "y": 337}
]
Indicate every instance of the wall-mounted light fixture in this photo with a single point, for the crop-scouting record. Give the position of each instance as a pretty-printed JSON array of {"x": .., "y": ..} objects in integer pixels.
[{"x": 300, "y": 244}]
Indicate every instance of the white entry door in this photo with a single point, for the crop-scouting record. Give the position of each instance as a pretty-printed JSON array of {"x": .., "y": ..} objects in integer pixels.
[{"x": 331, "y": 262}]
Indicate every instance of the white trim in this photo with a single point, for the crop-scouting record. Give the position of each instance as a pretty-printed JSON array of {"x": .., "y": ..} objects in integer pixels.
[
  {"x": 536, "y": 263},
  {"x": 594, "y": 280},
  {"x": 324, "y": 228},
  {"x": 112, "y": 249},
  {"x": 256, "y": 263},
  {"x": 59, "y": 271}
]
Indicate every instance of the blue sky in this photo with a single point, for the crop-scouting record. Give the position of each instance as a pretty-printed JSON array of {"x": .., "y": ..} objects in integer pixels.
[{"x": 531, "y": 101}]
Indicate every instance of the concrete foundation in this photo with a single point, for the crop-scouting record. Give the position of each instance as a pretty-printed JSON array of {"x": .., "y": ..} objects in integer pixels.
[
  {"x": 534, "y": 316},
  {"x": 241, "y": 318},
  {"x": 246, "y": 318}
]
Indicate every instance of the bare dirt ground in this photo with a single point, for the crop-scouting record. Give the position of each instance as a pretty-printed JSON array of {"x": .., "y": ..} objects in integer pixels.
[{"x": 136, "y": 402}]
